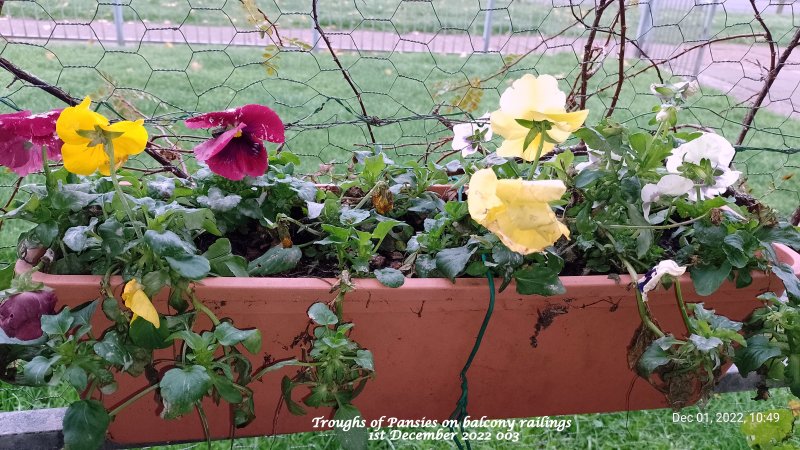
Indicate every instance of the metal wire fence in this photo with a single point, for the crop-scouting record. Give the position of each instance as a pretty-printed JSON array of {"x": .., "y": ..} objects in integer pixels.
[{"x": 353, "y": 75}]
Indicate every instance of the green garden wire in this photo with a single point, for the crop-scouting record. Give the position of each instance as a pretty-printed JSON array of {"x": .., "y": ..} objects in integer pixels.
[{"x": 460, "y": 412}]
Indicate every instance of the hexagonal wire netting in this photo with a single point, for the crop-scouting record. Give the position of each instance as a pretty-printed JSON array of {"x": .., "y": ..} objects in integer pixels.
[{"x": 357, "y": 75}]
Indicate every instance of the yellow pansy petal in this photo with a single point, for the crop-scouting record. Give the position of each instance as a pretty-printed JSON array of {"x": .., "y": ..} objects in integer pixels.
[
  {"x": 83, "y": 160},
  {"x": 142, "y": 307},
  {"x": 530, "y": 93},
  {"x": 481, "y": 198},
  {"x": 506, "y": 125},
  {"x": 568, "y": 121},
  {"x": 132, "y": 141},
  {"x": 76, "y": 118},
  {"x": 558, "y": 135},
  {"x": 522, "y": 191}
]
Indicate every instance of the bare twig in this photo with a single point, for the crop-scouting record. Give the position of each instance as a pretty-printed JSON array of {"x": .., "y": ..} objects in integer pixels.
[
  {"x": 771, "y": 76},
  {"x": 621, "y": 71},
  {"x": 587, "y": 53},
  {"x": 58, "y": 93},
  {"x": 346, "y": 76}
]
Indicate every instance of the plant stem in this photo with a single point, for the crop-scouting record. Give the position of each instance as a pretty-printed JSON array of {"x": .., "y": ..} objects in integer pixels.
[
  {"x": 301, "y": 225},
  {"x": 643, "y": 314},
  {"x": 536, "y": 157},
  {"x": 48, "y": 177},
  {"x": 199, "y": 306},
  {"x": 659, "y": 227},
  {"x": 682, "y": 306},
  {"x": 131, "y": 400},
  {"x": 112, "y": 169}
]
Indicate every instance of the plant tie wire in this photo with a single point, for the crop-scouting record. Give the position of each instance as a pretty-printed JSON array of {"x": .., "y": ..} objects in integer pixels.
[{"x": 460, "y": 412}]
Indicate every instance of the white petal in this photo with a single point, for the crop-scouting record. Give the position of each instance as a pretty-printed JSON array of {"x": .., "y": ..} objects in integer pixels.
[{"x": 674, "y": 185}]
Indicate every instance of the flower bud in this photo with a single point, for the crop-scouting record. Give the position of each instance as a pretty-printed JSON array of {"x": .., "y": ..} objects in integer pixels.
[{"x": 21, "y": 314}]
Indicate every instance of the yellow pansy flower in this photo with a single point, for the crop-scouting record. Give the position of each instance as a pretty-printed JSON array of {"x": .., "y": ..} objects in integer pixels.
[
  {"x": 517, "y": 211},
  {"x": 84, "y": 133},
  {"x": 138, "y": 302},
  {"x": 533, "y": 100}
]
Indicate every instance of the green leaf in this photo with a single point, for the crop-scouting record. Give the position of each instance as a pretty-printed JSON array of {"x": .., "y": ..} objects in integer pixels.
[
  {"x": 736, "y": 248},
  {"x": 227, "y": 390},
  {"x": 587, "y": 177},
  {"x": 167, "y": 243},
  {"x": 390, "y": 277},
  {"x": 792, "y": 373},
  {"x": 364, "y": 359},
  {"x": 85, "y": 425},
  {"x": 707, "y": 279},
  {"x": 656, "y": 355},
  {"x": 76, "y": 377},
  {"x": 144, "y": 334},
  {"x": 59, "y": 324},
  {"x": 112, "y": 234},
  {"x": 38, "y": 370},
  {"x": 767, "y": 434},
  {"x": 383, "y": 228},
  {"x": 350, "y": 217},
  {"x": 538, "y": 279},
  {"x": 182, "y": 388},
  {"x": 322, "y": 315},
  {"x": 354, "y": 438},
  {"x": 286, "y": 389},
  {"x": 229, "y": 335},
  {"x": 82, "y": 314},
  {"x": 275, "y": 260},
  {"x": 223, "y": 262},
  {"x": 192, "y": 267},
  {"x": 790, "y": 281},
  {"x": 46, "y": 233},
  {"x": 452, "y": 261},
  {"x": 111, "y": 349},
  {"x": 758, "y": 351}
]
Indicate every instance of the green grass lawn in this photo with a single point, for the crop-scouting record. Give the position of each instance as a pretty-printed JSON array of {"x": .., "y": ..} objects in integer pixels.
[{"x": 171, "y": 82}]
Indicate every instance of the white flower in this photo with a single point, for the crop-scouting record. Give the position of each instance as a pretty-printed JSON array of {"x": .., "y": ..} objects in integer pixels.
[
  {"x": 653, "y": 277},
  {"x": 595, "y": 158},
  {"x": 669, "y": 185},
  {"x": 467, "y": 135},
  {"x": 718, "y": 151}
]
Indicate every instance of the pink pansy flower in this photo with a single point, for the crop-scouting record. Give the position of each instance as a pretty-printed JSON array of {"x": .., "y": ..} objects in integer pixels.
[
  {"x": 21, "y": 314},
  {"x": 237, "y": 148},
  {"x": 22, "y": 136}
]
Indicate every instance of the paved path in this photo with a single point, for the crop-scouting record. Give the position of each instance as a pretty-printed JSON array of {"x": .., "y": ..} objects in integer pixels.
[{"x": 737, "y": 70}]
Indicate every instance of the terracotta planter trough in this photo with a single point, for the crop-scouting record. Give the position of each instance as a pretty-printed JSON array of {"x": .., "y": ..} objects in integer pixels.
[{"x": 541, "y": 355}]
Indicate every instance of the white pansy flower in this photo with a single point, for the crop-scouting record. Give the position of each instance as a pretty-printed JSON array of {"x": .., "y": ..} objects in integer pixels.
[
  {"x": 653, "y": 277},
  {"x": 670, "y": 185},
  {"x": 718, "y": 151},
  {"x": 466, "y": 136}
]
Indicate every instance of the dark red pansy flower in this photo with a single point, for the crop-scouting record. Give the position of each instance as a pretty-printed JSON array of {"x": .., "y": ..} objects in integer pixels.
[
  {"x": 22, "y": 136},
  {"x": 237, "y": 148},
  {"x": 21, "y": 314}
]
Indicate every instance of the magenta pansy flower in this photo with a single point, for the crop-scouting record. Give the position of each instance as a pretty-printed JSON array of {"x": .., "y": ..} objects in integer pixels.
[
  {"x": 21, "y": 314},
  {"x": 22, "y": 136},
  {"x": 236, "y": 148}
]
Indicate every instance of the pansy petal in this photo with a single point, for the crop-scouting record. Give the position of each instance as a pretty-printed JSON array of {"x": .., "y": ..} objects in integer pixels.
[
  {"x": 568, "y": 121},
  {"x": 77, "y": 118},
  {"x": 241, "y": 157},
  {"x": 214, "y": 119},
  {"x": 506, "y": 126},
  {"x": 523, "y": 191},
  {"x": 133, "y": 139},
  {"x": 262, "y": 123},
  {"x": 82, "y": 160},
  {"x": 481, "y": 198},
  {"x": 142, "y": 307},
  {"x": 211, "y": 147},
  {"x": 674, "y": 185}
]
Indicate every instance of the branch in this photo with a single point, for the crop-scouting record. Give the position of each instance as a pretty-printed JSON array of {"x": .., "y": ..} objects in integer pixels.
[
  {"x": 58, "y": 93},
  {"x": 622, "y": 31},
  {"x": 775, "y": 69},
  {"x": 346, "y": 76},
  {"x": 587, "y": 52}
]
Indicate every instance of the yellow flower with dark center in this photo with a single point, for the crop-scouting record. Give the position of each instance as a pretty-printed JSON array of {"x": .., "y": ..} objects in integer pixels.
[
  {"x": 138, "y": 302},
  {"x": 87, "y": 136},
  {"x": 530, "y": 109},
  {"x": 517, "y": 211}
]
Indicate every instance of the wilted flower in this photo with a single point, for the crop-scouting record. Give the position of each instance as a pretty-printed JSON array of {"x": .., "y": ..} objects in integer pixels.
[
  {"x": 706, "y": 160},
  {"x": 86, "y": 134},
  {"x": 468, "y": 136},
  {"x": 138, "y": 302},
  {"x": 533, "y": 110},
  {"x": 653, "y": 277},
  {"x": 517, "y": 211},
  {"x": 21, "y": 314},
  {"x": 22, "y": 137},
  {"x": 236, "y": 149}
]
